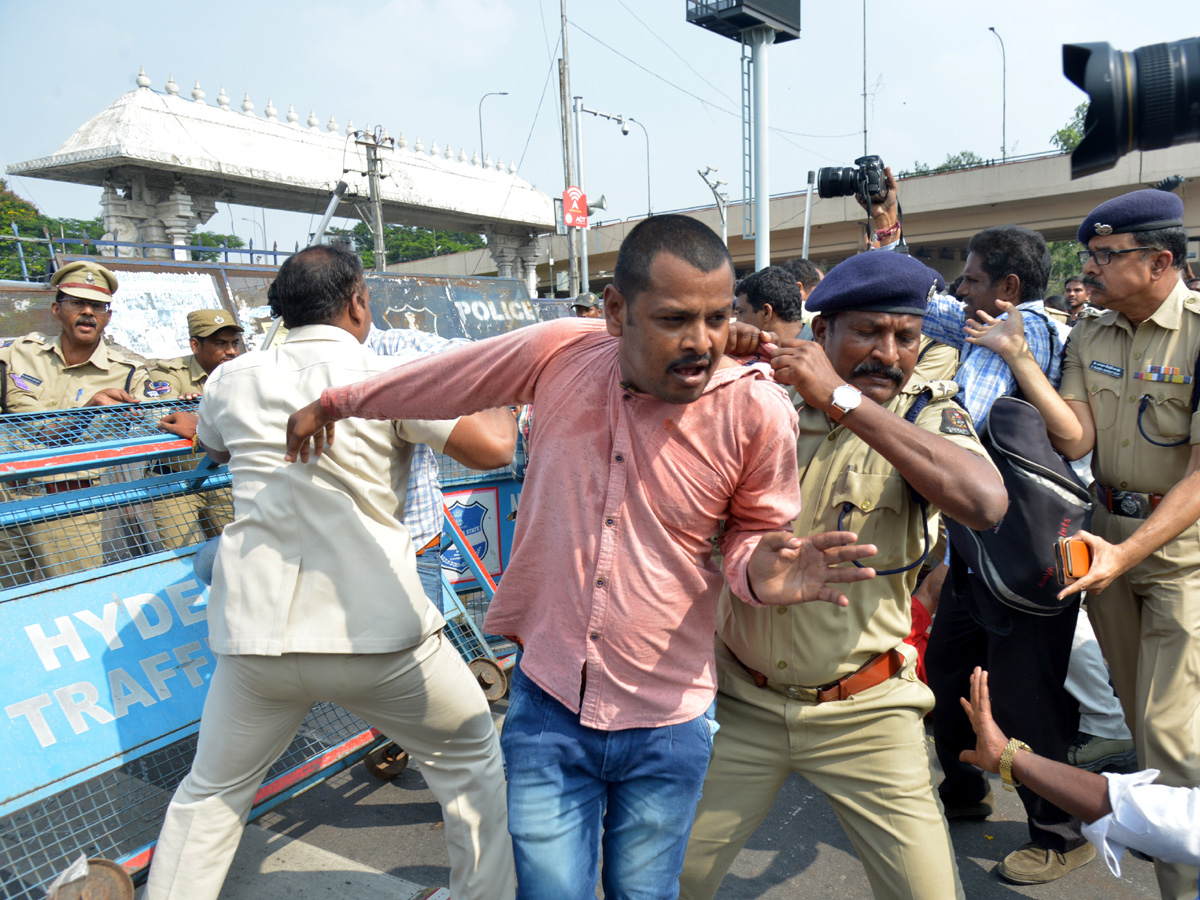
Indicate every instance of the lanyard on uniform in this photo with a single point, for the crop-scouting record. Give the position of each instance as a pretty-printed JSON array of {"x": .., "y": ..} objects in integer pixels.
[
  {"x": 847, "y": 506},
  {"x": 1141, "y": 409}
]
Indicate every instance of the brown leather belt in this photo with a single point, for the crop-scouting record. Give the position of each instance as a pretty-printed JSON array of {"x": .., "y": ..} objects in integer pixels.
[
  {"x": 436, "y": 542},
  {"x": 876, "y": 671},
  {"x": 71, "y": 484},
  {"x": 1130, "y": 504}
]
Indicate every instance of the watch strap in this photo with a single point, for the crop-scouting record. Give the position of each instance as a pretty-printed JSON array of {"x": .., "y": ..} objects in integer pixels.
[{"x": 1006, "y": 760}]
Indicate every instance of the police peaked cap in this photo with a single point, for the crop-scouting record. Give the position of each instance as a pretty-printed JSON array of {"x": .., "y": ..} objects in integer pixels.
[
  {"x": 1144, "y": 210},
  {"x": 877, "y": 281}
]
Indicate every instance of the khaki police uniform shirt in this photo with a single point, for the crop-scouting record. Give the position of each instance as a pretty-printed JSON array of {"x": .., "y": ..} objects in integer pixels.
[
  {"x": 935, "y": 362},
  {"x": 815, "y": 643},
  {"x": 169, "y": 379},
  {"x": 39, "y": 378},
  {"x": 1104, "y": 358}
]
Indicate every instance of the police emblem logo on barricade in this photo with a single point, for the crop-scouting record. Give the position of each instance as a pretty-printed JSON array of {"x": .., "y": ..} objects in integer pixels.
[{"x": 470, "y": 517}]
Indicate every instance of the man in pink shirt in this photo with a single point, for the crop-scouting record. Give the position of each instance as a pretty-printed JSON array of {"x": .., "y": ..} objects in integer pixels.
[{"x": 646, "y": 451}]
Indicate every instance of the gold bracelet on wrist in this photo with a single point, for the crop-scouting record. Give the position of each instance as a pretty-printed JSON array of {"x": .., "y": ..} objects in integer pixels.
[
  {"x": 195, "y": 443},
  {"x": 1006, "y": 760}
]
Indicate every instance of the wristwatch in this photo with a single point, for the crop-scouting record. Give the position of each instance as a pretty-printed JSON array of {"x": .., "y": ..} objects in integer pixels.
[
  {"x": 846, "y": 397},
  {"x": 1006, "y": 760}
]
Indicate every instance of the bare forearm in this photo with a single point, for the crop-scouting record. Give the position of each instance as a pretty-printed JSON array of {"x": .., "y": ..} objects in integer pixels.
[
  {"x": 1067, "y": 433},
  {"x": 958, "y": 482},
  {"x": 1080, "y": 793},
  {"x": 485, "y": 440}
]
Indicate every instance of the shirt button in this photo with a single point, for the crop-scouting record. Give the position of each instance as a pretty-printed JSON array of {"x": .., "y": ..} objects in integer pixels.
[
  {"x": 1132, "y": 398},
  {"x": 594, "y": 636},
  {"x": 782, "y": 610},
  {"x": 781, "y": 665},
  {"x": 1137, "y": 356},
  {"x": 1124, "y": 484},
  {"x": 608, "y": 521},
  {"x": 866, "y": 504},
  {"x": 1160, "y": 398},
  {"x": 599, "y": 582},
  {"x": 832, "y": 437},
  {"x": 620, "y": 458},
  {"x": 1125, "y": 443}
]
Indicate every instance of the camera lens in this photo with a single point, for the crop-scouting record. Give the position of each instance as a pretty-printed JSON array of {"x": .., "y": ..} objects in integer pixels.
[
  {"x": 837, "y": 181},
  {"x": 1144, "y": 100}
]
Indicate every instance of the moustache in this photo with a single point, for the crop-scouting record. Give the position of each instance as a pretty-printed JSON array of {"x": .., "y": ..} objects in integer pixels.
[
  {"x": 873, "y": 368},
  {"x": 1090, "y": 281},
  {"x": 85, "y": 320},
  {"x": 690, "y": 361}
]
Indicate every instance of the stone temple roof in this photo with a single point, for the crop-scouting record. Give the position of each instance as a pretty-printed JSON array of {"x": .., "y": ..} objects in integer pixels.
[{"x": 286, "y": 164}]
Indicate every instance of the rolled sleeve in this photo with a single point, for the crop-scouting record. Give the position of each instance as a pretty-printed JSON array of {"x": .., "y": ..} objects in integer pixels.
[{"x": 1156, "y": 819}]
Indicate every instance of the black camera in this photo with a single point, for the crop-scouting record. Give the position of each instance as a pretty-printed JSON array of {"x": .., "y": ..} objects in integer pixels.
[
  {"x": 1144, "y": 100},
  {"x": 865, "y": 179}
]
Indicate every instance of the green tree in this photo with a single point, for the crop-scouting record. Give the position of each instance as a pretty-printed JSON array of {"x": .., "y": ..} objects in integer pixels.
[
  {"x": 1064, "y": 262},
  {"x": 407, "y": 242},
  {"x": 963, "y": 160},
  {"x": 29, "y": 221},
  {"x": 212, "y": 239},
  {"x": 1068, "y": 137}
]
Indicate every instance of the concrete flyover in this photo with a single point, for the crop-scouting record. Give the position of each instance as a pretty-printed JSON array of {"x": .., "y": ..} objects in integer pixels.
[{"x": 941, "y": 213}]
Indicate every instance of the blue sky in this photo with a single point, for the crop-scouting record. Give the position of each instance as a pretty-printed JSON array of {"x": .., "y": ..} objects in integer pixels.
[{"x": 421, "y": 66}]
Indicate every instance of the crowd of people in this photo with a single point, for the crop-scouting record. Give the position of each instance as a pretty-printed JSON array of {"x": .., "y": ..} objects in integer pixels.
[{"x": 730, "y": 562}]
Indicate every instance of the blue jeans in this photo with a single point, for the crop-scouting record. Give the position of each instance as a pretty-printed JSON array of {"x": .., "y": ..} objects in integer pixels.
[
  {"x": 429, "y": 570},
  {"x": 568, "y": 784}
]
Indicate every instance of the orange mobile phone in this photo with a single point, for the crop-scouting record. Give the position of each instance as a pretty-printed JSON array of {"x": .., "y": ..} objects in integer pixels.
[{"x": 1072, "y": 558}]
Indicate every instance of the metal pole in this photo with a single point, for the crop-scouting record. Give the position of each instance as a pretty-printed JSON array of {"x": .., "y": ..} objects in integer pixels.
[
  {"x": 864, "y": 79},
  {"x": 1003, "y": 97},
  {"x": 721, "y": 198},
  {"x": 376, "y": 205},
  {"x": 649, "y": 205},
  {"x": 482, "y": 155},
  {"x": 761, "y": 39},
  {"x": 20, "y": 251},
  {"x": 585, "y": 283},
  {"x": 812, "y": 179},
  {"x": 564, "y": 88},
  {"x": 338, "y": 192}
]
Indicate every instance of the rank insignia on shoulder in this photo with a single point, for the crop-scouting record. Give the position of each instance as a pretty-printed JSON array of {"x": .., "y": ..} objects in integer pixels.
[
  {"x": 1106, "y": 368},
  {"x": 1171, "y": 374},
  {"x": 157, "y": 388},
  {"x": 955, "y": 421}
]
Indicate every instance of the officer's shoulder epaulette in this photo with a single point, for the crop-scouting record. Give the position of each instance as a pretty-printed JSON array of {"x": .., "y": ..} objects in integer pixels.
[
  {"x": 1192, "y": 302},
  {"x": 1091, "y": 312},
  {"x": 34, "y": 337},
  {"x": 942, "y": 389},
  {"x": 177, "y": 364}
]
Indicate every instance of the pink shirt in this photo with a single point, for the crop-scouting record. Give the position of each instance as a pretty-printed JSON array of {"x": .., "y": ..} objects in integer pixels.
[{"x": 612, "y": 562}]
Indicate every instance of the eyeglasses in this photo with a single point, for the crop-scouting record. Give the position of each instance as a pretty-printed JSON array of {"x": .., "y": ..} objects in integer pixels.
[
  {"x": 79, "y": 305},
  {"x": 1103, "y": 257}
]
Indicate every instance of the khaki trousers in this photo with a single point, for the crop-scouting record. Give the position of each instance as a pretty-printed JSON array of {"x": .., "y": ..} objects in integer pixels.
[
  {"x": 423, "y": 698},
  {"x": 1148, "y": 625},
  {"x": 866, "y": 754}
]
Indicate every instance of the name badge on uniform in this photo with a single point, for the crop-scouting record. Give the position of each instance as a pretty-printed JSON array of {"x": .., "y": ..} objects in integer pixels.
[
  {"x": 1106, "y": 368},
  {"x": 1170, "y": 374},
  {"x": 157, "y": 388}
]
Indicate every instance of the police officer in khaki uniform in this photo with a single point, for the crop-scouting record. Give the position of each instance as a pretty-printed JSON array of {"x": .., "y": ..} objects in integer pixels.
[
  {"x": 1129, "y": 386},
  {"x": 73, "y": 370},
  {"x": 215, "y": 338},
  {"x": 832, "y": 693}
]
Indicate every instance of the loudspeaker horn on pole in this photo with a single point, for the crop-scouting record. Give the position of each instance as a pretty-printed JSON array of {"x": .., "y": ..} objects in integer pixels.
[{"x": 601, "y": 204}]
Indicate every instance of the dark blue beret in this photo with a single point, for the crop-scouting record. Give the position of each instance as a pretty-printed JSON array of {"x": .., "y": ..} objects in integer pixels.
[
  {"x": 878, "y": 281},
  {"x": 1138, "y": 211}
]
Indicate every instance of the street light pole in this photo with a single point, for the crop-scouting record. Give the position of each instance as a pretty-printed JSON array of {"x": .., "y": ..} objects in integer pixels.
[
  {"x": 1004, "y": 97},
  {"x": 714, "y": 184},
  {"x": 482, "y": 155},
  {"x": 646, "y": 134}
]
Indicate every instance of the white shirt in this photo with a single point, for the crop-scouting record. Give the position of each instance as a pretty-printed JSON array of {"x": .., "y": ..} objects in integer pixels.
[
  {"x": 316, "y": 559},
  {"x": 1159, "y": 820}
]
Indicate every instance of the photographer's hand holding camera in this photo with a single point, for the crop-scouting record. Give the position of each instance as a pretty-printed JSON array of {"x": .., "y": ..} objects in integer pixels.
[{"x": 884, "y": 212}]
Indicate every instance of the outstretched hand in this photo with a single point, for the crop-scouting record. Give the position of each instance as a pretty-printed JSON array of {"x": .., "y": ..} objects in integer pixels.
[
  {"x": 784, "y": 569},
  {"x": 1006, "y": 337},
  {"x": 309, "y": 423},
  {"x": 989, "y": 739}
]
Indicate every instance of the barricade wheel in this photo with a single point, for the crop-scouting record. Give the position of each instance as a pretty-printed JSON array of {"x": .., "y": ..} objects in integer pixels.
[
  {"x": 490, "y": 676},
  {"x": 105, "y": 880},
  {"x": 386, "y": 762}
]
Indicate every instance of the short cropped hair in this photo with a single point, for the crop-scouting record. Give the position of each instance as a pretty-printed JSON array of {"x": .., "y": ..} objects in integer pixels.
[
  {"x": 682, "y": 236},
  {"x": 1012, "y": 250},
  {"x": 1172, "y": 239},
  {"x": 315, "y": 285},
  {"x": 803, "y": 271},
  {"x": 774, "y": 285},
  {"x": 1075, "y": 278},
  {"x": 1059, "y": 302}
]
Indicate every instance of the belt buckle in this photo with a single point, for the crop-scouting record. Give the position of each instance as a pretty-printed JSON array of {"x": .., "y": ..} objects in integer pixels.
[
  {"x": 1129, "y": 504},
  {"x": 799, "y": 692}
]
